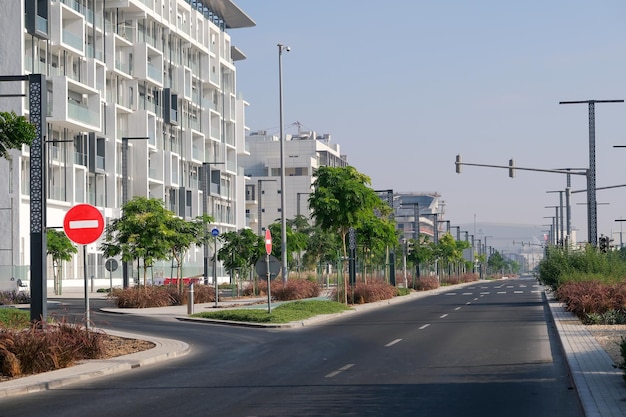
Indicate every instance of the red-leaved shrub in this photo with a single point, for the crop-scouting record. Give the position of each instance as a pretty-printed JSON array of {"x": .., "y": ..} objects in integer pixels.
[
  {"x": 589, "y": 297},
  {"x": 426, "y": 283}
]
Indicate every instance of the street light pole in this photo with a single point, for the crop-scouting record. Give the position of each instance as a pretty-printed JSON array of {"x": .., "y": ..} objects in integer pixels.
[{"x": 283, "y": 201}]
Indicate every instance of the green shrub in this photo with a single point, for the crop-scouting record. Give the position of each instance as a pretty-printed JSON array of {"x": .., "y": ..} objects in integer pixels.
[
  {"x": 402, "y": 291},
  {"x": 561, "y": 266},
  {"x": 12, "y": 318}
]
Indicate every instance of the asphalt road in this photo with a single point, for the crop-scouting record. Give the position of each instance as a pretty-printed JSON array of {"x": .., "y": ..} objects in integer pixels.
[{"x": 484, "y": 350}]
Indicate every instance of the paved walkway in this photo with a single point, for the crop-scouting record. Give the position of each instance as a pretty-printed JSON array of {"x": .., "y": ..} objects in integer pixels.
[{"x": 600, "y": 386}]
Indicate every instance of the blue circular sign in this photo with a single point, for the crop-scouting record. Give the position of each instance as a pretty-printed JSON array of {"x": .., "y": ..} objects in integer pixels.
[{"x": 215, "y": 232}]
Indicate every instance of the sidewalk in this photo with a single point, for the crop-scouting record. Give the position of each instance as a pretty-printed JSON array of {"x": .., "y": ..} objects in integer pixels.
[{"x": 601, "y": 388}]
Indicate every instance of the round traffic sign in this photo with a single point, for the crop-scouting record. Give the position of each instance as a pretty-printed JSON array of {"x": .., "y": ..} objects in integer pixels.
[
  {"x": 215, "y": 232},
  {"x": 268, "y": 241},
  {"x": 111, "y": 264},
  {"x": 83, "y": 224},
  {"x": 261, "y": 267}
]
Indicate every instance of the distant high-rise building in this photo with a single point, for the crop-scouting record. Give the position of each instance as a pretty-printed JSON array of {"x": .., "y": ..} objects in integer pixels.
[{"x": 304, "y": 153}]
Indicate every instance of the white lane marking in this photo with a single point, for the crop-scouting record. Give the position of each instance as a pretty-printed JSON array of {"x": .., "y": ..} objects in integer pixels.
[
  {"x": 424, "y": 326},
  {"x": 535, "y": 292},
  {"x": 501, "y": 292},
  {"x": 393, "y": 342},
  {"x": 450, "y": 293},
  {"x": 485, "y": 293},
  {"x": 458, "y": 308},
  {"x": 509, "y": 286},
  {"x": 468, "y": 293},
  {"x": 518, "y": 292},
  {"x": 83, "y": 224},
  {"x": 343, "y": 368},
  {"x": 522, "y": 286},
  {"x": 444, "y": 316}
]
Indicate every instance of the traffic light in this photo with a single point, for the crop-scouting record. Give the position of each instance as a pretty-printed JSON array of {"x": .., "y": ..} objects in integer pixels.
[
  {"x": 458, "y": 164},
  {"x": 409, "y": 247},
  {"x": 604, "y": 244},
  {"x": 511, "y": 168}
]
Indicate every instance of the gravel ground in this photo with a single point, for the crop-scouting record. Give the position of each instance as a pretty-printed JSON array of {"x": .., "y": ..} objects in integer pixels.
[{"x": 610, "y": 338}]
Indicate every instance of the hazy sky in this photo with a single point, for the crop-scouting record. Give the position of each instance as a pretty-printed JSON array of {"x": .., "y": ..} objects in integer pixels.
[{"x": 405, "y": 85}]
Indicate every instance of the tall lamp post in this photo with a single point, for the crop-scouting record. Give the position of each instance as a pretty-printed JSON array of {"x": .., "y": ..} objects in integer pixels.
[
  {"x": 283, "y": 201},
  {"x": 556, "y": 218}
]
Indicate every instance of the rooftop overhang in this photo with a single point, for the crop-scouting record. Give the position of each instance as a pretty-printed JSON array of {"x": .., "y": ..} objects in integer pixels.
[
  {"x": 237, "y": 54},
  {"x": 230, "y": 13}
]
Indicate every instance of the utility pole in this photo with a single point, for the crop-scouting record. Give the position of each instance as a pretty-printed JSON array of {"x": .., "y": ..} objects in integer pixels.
[{"x": 592, "y": 208}]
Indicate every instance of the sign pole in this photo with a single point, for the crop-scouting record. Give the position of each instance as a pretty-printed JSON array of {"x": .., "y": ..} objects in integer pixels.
[
  {"x": 86, "y": 292},
  {"x": 215, "y": 233},
  {"x": 83, "y": 224},
  {"x": 268, "y": 250},
  {"x": 269, "y": 279}
]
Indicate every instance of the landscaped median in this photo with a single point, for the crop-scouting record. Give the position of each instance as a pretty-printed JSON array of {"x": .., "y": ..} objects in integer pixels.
[{"x": 288, "y": 312}]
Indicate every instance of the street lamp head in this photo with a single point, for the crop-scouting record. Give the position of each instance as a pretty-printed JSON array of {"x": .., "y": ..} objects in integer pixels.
[{"x": 282, "y": 47}]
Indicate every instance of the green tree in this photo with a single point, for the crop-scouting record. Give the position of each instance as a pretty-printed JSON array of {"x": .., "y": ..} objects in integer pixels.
[
  {"x": 143, "y": 232},
  {"x": 423, "y": 253},
  {"x": 298, "y": 232},
  {"x": 322, "y": 248},
  {"x": 240, "y": 251},
  {"x": 375, "y": 234},
  {"x": 342, "y": 199},
  {"x": 60, "y": 247},
  {"x": 181, "y": 234},
  {"x": 15, "y": 131}
]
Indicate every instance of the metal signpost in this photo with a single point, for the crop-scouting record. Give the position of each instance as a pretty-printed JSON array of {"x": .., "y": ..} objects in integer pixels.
[
  {"x": 268, "y": 250},
  {"x": 83, "y": 224},
  {"x": 111, "y": 265},
  {"x": 215, "y": 233}
]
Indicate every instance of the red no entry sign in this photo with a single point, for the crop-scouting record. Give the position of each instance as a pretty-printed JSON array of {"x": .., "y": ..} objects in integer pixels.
[
  {"x": 83, "y": 224},
  {"x": 268, "y": 241}
]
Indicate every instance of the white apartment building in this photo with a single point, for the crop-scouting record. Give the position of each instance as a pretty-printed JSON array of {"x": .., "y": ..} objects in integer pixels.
[
  {"x": 157, "y": 75},
  {"x": 303, "y": 154}
]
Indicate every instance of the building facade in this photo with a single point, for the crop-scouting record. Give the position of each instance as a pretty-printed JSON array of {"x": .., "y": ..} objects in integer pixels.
[
  {"x": 141, "y": 101},
  {"x": 303, "y": 153}
]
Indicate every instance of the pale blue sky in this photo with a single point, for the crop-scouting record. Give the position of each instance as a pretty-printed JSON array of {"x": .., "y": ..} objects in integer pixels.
[{"x": 404, "y": 85}]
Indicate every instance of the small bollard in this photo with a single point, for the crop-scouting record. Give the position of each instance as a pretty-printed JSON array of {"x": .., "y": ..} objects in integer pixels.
[{"x": 190, "y": 299}]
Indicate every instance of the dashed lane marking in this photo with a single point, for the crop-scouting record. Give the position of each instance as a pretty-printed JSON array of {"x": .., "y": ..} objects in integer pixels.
[
  {"x": 458, "y": 308},
  {"x": 338, "y": 371},
  {"x": 444, "y": 316},
  {"x": 393, "y": 342},
  {"x": 424, "y": 326}
]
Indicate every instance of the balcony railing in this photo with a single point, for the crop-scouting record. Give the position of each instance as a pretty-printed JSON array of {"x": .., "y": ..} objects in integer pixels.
[
  {"x": 72, "y": 40},
  {"x": 82, "y": 114}
]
